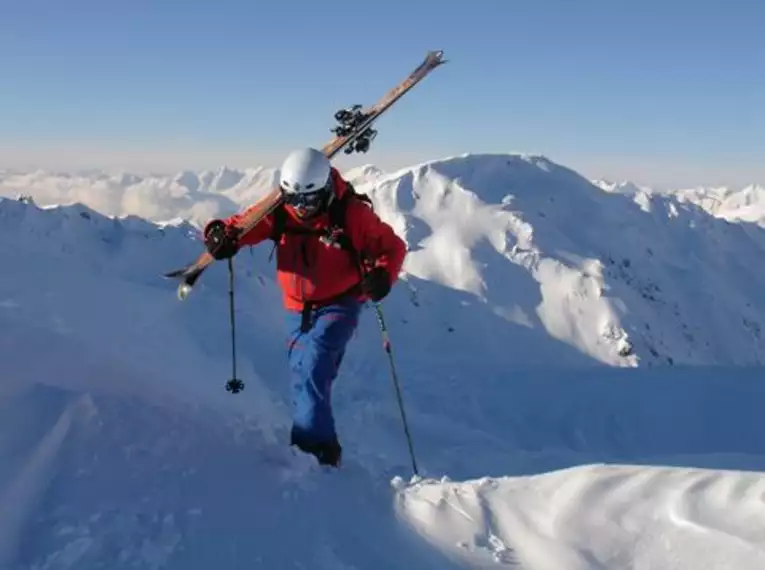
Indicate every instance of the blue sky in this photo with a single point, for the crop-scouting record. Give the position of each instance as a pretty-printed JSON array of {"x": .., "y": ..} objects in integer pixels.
[{"x": 668, "y": 92}]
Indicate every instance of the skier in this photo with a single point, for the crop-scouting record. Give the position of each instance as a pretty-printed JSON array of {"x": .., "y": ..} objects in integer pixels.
[{"x": 332, "y": 254}]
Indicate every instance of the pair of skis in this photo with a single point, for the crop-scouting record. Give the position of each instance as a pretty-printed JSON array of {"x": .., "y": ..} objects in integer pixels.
[{"x": 353, "y": 134}]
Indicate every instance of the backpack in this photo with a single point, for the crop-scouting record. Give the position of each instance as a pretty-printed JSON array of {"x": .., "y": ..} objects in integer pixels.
[{"x": 334, "y": 235}]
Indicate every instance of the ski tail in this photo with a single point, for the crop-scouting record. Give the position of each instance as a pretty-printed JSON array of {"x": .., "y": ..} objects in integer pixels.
[{"x": 190, "y": 273}]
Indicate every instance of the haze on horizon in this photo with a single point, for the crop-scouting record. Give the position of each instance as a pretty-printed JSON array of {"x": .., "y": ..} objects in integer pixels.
[{"x": 676, "y": 102}]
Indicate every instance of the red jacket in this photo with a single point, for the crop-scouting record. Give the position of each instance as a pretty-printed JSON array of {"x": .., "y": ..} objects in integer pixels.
[{"x": 309, "y": 270}]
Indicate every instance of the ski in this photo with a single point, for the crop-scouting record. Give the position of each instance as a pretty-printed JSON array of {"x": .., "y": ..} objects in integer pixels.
[{"x": 354, "y": 133}]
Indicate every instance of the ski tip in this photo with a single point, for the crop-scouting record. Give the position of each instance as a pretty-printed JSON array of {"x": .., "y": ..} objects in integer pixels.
[{"x": 437, "y": 55}]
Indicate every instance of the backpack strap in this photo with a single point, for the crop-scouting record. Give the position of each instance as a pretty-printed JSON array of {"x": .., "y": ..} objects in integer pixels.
[
  {"x": 279, "y": 221},
  {"x": 277, "y": 229},
  {"x": 337, "y": 235}
]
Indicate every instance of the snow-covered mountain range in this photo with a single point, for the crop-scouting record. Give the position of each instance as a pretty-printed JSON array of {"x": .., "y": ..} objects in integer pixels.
[
  {"x": 734, "y": 204},
  {"x": 616, "y": 271},
  {"x": 543, "y": 327},
  {"x": 193, "y": 196},
  {"x": 197, "y": 196}
]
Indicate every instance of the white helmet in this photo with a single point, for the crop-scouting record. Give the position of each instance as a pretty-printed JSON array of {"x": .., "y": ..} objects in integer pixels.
[
  {"x": 306, "y": 182},
  {"x": 304, "y": 171}
]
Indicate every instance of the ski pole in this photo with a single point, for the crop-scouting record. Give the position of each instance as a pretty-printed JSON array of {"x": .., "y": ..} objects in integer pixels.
[
  {"x": 389, "y": 350},
  {"x": 234, "y": 385}
]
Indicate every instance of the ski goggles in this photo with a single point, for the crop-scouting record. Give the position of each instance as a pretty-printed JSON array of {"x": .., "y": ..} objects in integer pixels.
[{"x": 305, "y": 199}]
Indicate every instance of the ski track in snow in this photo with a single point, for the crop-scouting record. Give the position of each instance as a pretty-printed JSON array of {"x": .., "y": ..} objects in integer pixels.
[{"x": 516, "y": 332}]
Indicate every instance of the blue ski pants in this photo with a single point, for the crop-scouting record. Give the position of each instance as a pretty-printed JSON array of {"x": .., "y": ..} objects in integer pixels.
[{"x": 314, "y": 360}]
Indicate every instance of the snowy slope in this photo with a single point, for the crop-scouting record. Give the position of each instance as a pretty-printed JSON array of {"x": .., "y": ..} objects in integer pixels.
[
  {"x": 120, "y": 448},
  {"x": 596, "y": 517},
  {"x": 619, "y": 280}
]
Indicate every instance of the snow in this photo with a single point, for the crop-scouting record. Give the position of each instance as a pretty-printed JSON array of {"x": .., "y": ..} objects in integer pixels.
[
  {"x": 581, "y": 369},
  {"x": 617, "y": 516},
  {"x": 733, "y": 204},
  {"x": 196, "y": 197}
]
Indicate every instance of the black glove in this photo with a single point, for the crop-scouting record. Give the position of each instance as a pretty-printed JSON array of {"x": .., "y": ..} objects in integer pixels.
[
  {"x": 220, "y": 240},
  {"x": 376, "y": 284}
]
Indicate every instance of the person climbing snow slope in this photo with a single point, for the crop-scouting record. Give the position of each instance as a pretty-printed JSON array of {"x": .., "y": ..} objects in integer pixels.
[{"x": 333, "y": 253}]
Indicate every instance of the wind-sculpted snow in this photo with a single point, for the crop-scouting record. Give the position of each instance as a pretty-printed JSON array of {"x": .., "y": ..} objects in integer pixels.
[{"x": 617, "y": 516}]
